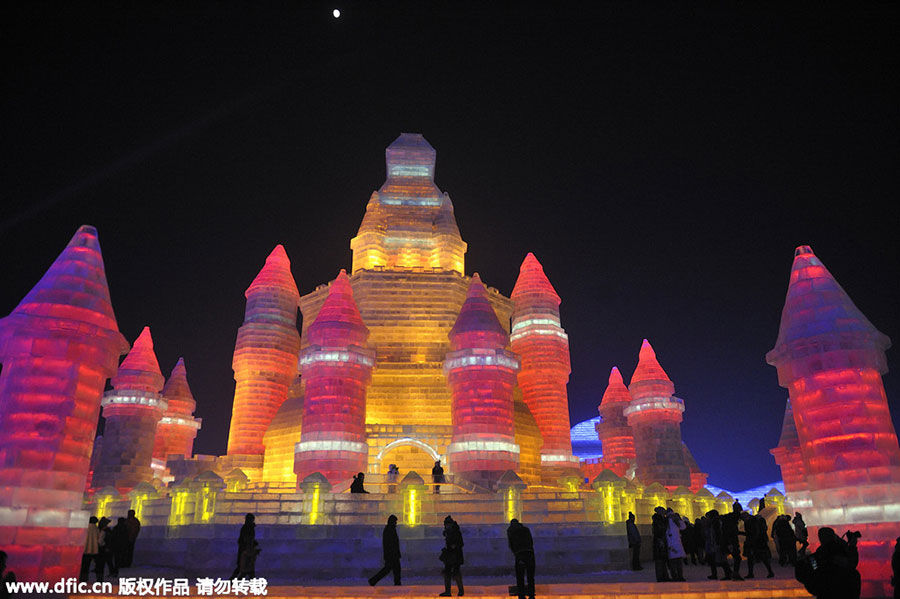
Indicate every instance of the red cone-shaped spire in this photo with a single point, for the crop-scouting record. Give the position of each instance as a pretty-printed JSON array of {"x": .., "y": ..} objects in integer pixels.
[
  {"x": 74, "y": 287},
  {"x": 178, "y": 428},
  {"x": 140, "y": 369},
  {"x": 477, "y": 324},
  {"x": 339, "y": 322},
  {"x": 533, "y": 286},
  {"x": 613, "y": 430},
  {"x": 275, "y": 275},
  {"x": 649, "y": 374},
  {"x": 178, "y": 393},
  {"x": 616, "y": 392}
]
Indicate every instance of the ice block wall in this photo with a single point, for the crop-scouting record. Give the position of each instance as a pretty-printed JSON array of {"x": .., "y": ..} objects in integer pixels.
[
  {"x": 58, "y": 347},
  {"x": 132, "y": 410},
  {"x": 790, "y": 460},
  {"x": 615, "y": 434},
  {"x": 482, "y": 375},
  {"x": 265, "y": 359},
  {"x": 539, "y": 339},
  {"x": 337, "y": 367},
  {"x": 177, "y": 428},
  {"x": 831, "y": 358},
  {"x": 654, "y": 415}
]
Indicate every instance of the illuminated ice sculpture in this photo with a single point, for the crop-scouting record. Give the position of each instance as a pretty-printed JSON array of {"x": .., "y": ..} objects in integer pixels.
[
  {"x": 58, "y": 347},
  {"x": 831, "y": 358},
  {"x": 177, "y": 428},
  {"x": 539, "y": 339},
  {"x": 336, "y": 367},
  {"x": 132, "y": 411},
  {"x": 482, "y": 375},
  {"x": 616, "y": 437}
]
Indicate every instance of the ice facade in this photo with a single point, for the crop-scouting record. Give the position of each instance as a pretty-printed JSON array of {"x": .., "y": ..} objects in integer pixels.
[
  {"x": 613, "y": 429},
  {"x": 178, "y": 427}
]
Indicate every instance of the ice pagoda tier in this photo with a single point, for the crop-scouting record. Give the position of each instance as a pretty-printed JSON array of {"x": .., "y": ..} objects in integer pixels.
[
  {"x": 58, "y": 347},
  {"x": 177, "y": 428},
  {"x": 831, "y": 358},
  {"x": 539, "y": 339},
  {"x": 132, "y": 410},
  {"x": 336, "y": 367},
  {"x": 655, "y": 415},
  {"x": 613, "y": 430},
  {"x": 265, "y": 359},
  {"x": 482, "y": 375}
]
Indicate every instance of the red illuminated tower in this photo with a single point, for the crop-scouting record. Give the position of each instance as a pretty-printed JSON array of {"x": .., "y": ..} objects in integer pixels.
[
  {"x": 177, "y": 428},
  {"x": 57, "y": 347},
  {"x": 482, "y": 375},
  {"x": 132, "y": 411},
  {"x": 543, "y": 346},
  {"x": 616, "y": 437},
  {"x": 831, "y": 358},
  {"x": 790, "y": 460},
  {"x": 265, "y": 360},
  {"x": 655, "y": 418},
  {"x": 336, "y": 367}
]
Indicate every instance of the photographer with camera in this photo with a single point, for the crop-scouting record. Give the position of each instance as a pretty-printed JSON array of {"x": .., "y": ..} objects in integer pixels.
[{"x": 830, "y": 572}]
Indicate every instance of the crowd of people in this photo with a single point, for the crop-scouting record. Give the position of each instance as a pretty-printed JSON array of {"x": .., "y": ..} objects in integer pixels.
[{"x": 109, "y": 548}]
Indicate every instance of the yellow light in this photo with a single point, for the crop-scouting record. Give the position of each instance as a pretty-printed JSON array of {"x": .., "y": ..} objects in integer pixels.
[
  {"x": 102, "y": 502},
  {"x": 137, "y": 504},
  {"x": 412, "y": 511},
  {"x": 314, "y": 507},
  {"x": 179, "y": 512},
  {"x": 207, "y": 504}
]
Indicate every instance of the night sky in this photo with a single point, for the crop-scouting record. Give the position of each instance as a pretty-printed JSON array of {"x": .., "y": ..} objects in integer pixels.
[{"x": 662, "y": 164}]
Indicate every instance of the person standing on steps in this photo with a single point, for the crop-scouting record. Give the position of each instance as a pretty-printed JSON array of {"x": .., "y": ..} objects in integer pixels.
[
  {"x": 452, "y": 556},
  {"x": 246, "y": 540},
  {"x": 522, "y": 546},
  {"x": 634, "y": 542},
  {"x": 390, "y": 545},
  {"x": 437, "y": 476}
]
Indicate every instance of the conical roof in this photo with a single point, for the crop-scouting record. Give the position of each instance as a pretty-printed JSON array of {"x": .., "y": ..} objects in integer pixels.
[
  {"x": 338, "y": 322},
  {"x": 533, "y": 284},
  {"x": 817, "y": 306},
  {"x": 790, "y": 439},
  {"x": 177, "y": 392},
  {"x": 477, "y": 320},
  {"x": 275, "y": 276},
  {"x": 616, "y": 393},
  {"x": 648, "y": 368},
  {"x": 74, "y": 287},
  {"x": 140, "y": 369},
  {"x": 410, "y": 155}
]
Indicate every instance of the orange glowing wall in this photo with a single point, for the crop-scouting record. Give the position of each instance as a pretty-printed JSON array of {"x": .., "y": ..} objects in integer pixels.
[
  {"x": 336, "y": 367},
  {"x": 132, "y": 411},
  {"x": 539, "y": 339},
  {"x": 482, "y": 375},
  {"x": 177, "y": 428},
  {"x": 790, "y": 460},
  {"x": 654, "y": 415},
  {"x": 265, "y": 354},
  {"x": 58, "y": 347},
  {"x": 831, "y": 358},
  {"x": 615, "y": 434}
]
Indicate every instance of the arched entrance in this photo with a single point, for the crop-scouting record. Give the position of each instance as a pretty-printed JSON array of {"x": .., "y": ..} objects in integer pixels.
[{"x": 409, "y": 455}]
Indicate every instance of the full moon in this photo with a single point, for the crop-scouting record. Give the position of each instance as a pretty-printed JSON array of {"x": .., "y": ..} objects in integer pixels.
[{"x": 336, "y": 13}]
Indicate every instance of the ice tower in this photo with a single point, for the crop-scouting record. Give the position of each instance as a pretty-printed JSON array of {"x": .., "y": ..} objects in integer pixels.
[
  {"x": 543, "y": 346},
  {"x": 265, "y": 361},
  {"x": 616, "y": 437},
  {"x": 132, "y": 411},
  {"x": 654, "y": 415},
  {"x": 790, "y": 460},
  {"x": 336, "y": 367},
  {"x": 57, "y": 347},
  {"x": 178, "y": 428},
  {"x": 831, "y": 358},
  {"x": 482, "y": 374}
]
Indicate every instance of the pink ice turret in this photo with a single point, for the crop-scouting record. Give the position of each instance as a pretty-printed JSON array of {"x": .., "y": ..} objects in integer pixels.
[
  {"x": 654, "y": 415},
  {"x": 132, "y": 411},
  {"x": 58, "y": 347},
  {"x": 337, "y": 368},
  {"x": 177, "y": 428},
  {"x": 482, "y": 375},
  {"x": 265, "y": 358},
  {"x": 790, "y": 460},
  {"x": 616, "y": 437},
  {"x": 539, "y": 339},
  {"x": 831, "y": 358}
]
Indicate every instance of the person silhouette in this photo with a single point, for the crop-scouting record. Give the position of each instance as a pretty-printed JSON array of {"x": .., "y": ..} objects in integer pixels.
[
  {"x": 357, "y": 485},
  {"x": 390, "y": 546},
  {"x": 246, "y": 539},
  {"x": 452, "y": 556},
  {"x": 634, "y": 542},
  {"x": 522, "y": 546},
  {"x": 437, "y": 476}
]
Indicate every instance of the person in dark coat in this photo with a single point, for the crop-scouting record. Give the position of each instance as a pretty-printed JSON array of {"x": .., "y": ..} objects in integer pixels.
[
  {"x": 687, "y": 541},
  {"x": 756, "y": 547},
  {"x": 785, "y": 540},
  {"x": 103, "y": 555},
  {"x": 522, "y": 546},
  {"x": 246, "y": 538},
  {"x": 715, "y": 547},
  {"x": 134, "y": 529},
  {"x": 700, "y": 539},
  {"x": 659, "y": 525},
  {"x": 357, "y": 485},
  {"x": 801, "y": 533},
  {"x": 730, "y": 540},
  {"x": 390, "y": 545},
  {"x": 437, "y": 476},
  {"x": 118, "y": 545},
  {"x": 634, "y": 542},
  {"x": 248, "y": 562},
  {"x": 830, "y": 572},
  {"x": 452, "y": 556}
]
